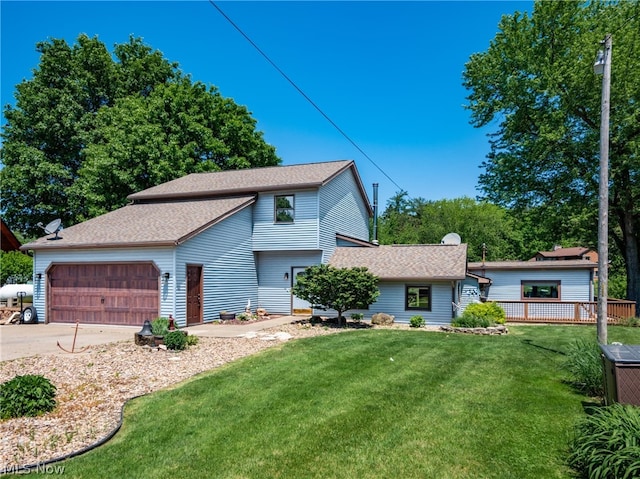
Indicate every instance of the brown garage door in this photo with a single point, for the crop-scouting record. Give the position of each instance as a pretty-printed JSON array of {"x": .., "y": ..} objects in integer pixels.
[{"x": 101, "y": 293}]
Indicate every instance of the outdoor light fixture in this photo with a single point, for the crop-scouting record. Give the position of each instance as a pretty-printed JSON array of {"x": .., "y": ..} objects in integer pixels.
[
  {"x": 286, "y": 276},
  {"x": 146, "y": 328},
  {"x": 166, "y": 276},
  {"x": 39, "y": 275},
  {"x": 598, "y": 66}
]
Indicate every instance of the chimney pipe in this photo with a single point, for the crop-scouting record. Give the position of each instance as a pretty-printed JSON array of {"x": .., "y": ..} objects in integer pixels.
[{"x": 375, "y": 213}]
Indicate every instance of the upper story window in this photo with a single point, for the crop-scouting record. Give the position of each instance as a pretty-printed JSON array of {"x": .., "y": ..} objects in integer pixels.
[
  {"x": 418, "y": 297},
  {"x": 284, "y": 209},
  {"x": 541, "y": 290}
]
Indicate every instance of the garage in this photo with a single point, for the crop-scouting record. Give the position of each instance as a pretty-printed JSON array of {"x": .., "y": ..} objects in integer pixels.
[{"x": 103, "y": 293}]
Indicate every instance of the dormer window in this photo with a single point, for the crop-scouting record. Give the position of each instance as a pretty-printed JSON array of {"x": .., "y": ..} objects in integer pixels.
[{"x": 284, "y": 209}]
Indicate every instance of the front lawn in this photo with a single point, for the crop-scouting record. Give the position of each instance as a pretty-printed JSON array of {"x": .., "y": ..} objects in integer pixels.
[{"x": 363, "y": 404}]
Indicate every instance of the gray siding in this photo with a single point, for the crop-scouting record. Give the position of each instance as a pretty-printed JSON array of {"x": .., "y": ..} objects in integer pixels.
[
  {"x": 575, "y": 284},
  {"x": 342, "y": 210},
  {"x": 162, "y": 257},
  {"x": 302, "y": 234},
  {"x": 274, "y": 290},
  {"x": 392, "y": 301},
  {"x": 229, "y": 272}
]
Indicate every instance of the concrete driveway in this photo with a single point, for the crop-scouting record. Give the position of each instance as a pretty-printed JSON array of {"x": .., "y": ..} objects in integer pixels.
[{"x": 25, "y": 340}]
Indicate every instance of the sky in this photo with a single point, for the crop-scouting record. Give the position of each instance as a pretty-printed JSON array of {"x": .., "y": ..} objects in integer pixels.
[{"x": 388, "y": 74}]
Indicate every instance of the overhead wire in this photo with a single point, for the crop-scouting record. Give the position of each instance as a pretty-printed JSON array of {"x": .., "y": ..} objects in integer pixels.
[{"x": 304, "y": 95}]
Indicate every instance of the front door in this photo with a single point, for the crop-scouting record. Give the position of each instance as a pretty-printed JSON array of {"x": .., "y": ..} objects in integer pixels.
[
  {"x": 194, "y": 294},
  {"x": 299, "y": 306}
]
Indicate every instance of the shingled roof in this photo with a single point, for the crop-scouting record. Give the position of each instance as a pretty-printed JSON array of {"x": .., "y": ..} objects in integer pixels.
[
  {"x": 406, "y": 262},
  {"x": 250, "y": 181},
  {"x": 146, "y": 224},
  {"x": 563, "y": 264}
]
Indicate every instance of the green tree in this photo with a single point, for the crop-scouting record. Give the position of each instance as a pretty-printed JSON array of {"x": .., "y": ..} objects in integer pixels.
[
  {"x": 536, "y": 80},
  {"x": 340, "y": 289},
  {"x": 179, "y": 128},
  {"x": 84, "y": 104},
  {"x": 15, "y": 267},
  {"x": 483, "y": 226}
]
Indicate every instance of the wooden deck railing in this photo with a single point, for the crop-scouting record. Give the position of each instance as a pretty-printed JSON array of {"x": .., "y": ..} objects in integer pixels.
[{"x": 566, "y": 312}]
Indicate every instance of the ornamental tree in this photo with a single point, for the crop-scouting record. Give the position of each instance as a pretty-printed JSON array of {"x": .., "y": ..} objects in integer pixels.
[{"x": 340, "y": 289}]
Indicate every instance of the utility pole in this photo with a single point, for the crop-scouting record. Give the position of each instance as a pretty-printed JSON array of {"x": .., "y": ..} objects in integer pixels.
[{"x": 603, "y": 67}]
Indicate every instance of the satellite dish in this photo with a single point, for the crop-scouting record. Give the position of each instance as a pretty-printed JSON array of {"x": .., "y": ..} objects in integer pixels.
[
  {"x": 53, "y": 228},
  {"x": 451, "y": 238}
]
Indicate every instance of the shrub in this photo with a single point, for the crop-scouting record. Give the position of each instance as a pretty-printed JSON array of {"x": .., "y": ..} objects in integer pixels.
[
  {"x": 584, "y": 364},
  {"x": 470, "y": 321},
  {"x": 481, "y": 315},
  {"x": 357, "y": 317},
  {"x": 606, "y": 444},
  {"x": 416, "y": 321},
  {"x": 192, "y": 340},
  {"x": 632, "y": 322},
  {"x": 160, "y": 326},
  {"x": 176, "y": 340},
  {"x": 29, "y": 395}
]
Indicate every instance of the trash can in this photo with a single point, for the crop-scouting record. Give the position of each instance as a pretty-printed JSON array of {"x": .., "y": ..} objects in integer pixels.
[{"x": 621, "y": 373}]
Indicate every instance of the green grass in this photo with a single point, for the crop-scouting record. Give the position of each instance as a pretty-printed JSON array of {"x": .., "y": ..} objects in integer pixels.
[{"x": 447, "y": 406}]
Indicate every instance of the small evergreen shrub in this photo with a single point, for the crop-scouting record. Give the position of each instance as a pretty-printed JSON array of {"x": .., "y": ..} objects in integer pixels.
[
  {"x": 606, "y": 444},
  {"x": 192, "y": 340},
  {"x": 584, "y": 364},
  {"x": 357, "y": 317},
  {"x": 160, "y": 326},
  {"x": 480, "y": 315},
  {"x": 175, "y": 340},
  {"x": 416, "y": 321},
  {"x": 29, "y": 395}
]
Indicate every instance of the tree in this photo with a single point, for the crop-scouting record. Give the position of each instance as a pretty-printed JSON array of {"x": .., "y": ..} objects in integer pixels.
[
  {"x": 15, "y": 267},
  {"x": 536, "y": 79},
  {"x": 418, "y": 221},
  {"x": 340, "y": 289},
  {"x": 90, "y": 127}
]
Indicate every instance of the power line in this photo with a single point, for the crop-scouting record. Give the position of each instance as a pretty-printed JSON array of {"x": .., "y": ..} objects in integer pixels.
[{"x": 304, "y": 95}]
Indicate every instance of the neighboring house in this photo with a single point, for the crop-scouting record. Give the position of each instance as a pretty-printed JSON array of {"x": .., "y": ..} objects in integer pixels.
[
  {"x": 563, "y": 254},
  {"x": 200, "y": 244},
  {"x": 9, "y": 242},
  {"x": 424, "y": 280}
]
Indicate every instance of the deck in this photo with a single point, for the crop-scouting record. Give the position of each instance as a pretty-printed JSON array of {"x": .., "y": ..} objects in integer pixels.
[{"x": 581, "y": 312}]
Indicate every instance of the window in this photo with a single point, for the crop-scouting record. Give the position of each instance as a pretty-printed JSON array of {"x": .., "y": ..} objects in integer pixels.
[
  {"x": 418, "y": 297},
  {"x": 541, "y": 290},
  {"x": 284, "y": 209}
]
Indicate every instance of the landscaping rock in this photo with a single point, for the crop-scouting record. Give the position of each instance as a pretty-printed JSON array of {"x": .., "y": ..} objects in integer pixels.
[
  {"x": 490, "y": 331},
  {"x": 382, "y": 319}
]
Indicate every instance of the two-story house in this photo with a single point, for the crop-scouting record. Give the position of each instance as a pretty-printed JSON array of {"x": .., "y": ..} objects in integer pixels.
[
  {"x": 212, "y": 242},
  {"x": 200, "y": 244}
]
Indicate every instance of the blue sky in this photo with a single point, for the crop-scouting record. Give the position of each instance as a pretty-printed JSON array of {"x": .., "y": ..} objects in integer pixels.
[{"x": 389, "y": 74}]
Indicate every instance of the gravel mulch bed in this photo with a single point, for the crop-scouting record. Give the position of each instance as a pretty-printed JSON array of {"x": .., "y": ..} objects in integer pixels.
[{"x": 93, "y": 386}]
